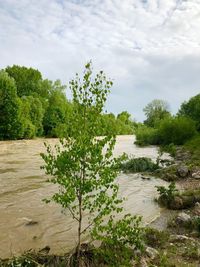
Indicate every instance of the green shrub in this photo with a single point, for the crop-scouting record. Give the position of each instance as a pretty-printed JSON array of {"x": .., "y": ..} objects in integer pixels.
[
  {"x": 146, "y": 136},
  {"x": 176, "y": 130},
  {"x": 167, "y": 194},
  {"x": 118, "y": 241},
  {"x": 142, "y": 164},
  {"x": 191, "y": 109},
  {"x": 29, "y": 130}
]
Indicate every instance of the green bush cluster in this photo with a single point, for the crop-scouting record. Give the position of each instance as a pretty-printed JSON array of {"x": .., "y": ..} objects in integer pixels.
[
  {"x": 170, "y": 131},
  {"x": 142, "y": 164},
  {"x": 176, "y": 130},
  {"x": 146, "y": 136}
]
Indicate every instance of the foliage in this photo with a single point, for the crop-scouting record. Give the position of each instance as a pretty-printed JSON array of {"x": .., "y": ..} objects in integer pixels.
[
  {"x": 156, "y": 111},
  {"x": 21, "y": 262},
  {"x": 176, "y": 130},
  {"x": 146, "y": 136},
  {"x": 10, "y": 108},
  {"x": 82, "y": 165},
  {"x": 119, "y": 239},
  {"x": 169, "y": 132},
  {"x": 35, "y": 259},
  {"x": 167, "y": 194},
  {"x": 27, "y": 79},
  {"x": 122, "y": 124},
  {"x": 57, "y": 113},
  {"x": 191, "y": 109},
  {"x": 32, "y": 114},
  {"x": 45, "y": 110},
  {"x": 142, "y": 164},
  {"x": 108, "y": 125},
  {"x": 125, "y": 125}
]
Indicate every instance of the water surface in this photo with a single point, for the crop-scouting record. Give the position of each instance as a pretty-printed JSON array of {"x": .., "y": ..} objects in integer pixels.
[{"x": 23, "y": 186}]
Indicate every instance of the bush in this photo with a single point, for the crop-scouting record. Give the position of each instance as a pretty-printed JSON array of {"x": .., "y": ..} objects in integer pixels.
[
  {"x": 167, "y": 194},
  {"x": 146, "y": 136},
  {"x": 176, "y": 130},
  {"x": 142, "y": 164},
  {"x": 191, "y": 109},
  {"x": 119, "y": 239}
]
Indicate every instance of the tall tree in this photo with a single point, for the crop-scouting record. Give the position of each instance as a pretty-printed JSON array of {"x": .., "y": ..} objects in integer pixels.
[
  {"x": 124, "y": 123},
  {"x": 57, "y": 111},
  {"x": 84, "y": 168},
  {"x": 155, "y": 111},
  {"x": 10, "y": 105},
  {"x": 191, "y": 109},
  {"x": 33, "y": 111},
  {"x": 27, "y": 79}
]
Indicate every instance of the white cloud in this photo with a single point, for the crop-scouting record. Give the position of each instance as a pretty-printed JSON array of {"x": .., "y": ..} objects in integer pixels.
[{"x": 151, "y": 48}]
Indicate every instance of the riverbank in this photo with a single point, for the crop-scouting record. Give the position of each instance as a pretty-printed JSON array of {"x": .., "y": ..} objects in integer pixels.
[{"x": 176, "y": 233}]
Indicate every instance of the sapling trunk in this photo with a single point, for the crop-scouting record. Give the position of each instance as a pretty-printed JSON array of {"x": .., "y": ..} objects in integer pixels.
[{"x": 79, "y": 231}]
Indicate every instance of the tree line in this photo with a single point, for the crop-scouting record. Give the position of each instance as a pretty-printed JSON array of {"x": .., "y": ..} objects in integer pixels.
[
  {"x": 163, "y": 128},
  {"x": 31, "y": 106}
]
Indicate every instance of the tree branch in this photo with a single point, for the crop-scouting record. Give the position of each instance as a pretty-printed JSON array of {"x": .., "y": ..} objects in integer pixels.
[{"x": 73, "y": 215}]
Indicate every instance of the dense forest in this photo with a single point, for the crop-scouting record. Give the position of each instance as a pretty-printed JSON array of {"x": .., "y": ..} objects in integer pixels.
[{"x": 31, "y": 106}]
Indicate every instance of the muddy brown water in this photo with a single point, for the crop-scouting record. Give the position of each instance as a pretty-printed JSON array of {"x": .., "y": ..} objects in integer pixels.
[{"x": 23, "y": 186}]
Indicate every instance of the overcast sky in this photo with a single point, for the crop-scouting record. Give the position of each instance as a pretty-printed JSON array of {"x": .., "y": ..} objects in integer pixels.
[{"x": 150, "y": 48}]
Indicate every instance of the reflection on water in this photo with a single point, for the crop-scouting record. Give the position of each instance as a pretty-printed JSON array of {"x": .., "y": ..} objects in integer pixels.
[{"x": 23, "y": 186}]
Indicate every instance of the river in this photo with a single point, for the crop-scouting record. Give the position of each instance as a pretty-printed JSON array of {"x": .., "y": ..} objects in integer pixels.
[{"x": 23, "y": 186}]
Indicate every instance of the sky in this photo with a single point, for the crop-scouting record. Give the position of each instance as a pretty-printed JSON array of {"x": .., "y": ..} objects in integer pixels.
[{"x": 149, "y": 48}]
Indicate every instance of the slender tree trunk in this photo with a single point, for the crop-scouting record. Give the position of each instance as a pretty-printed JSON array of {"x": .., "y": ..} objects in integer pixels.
[
  {"x": 79, "y": 230},
  {"x": 80, "y": 197}
]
